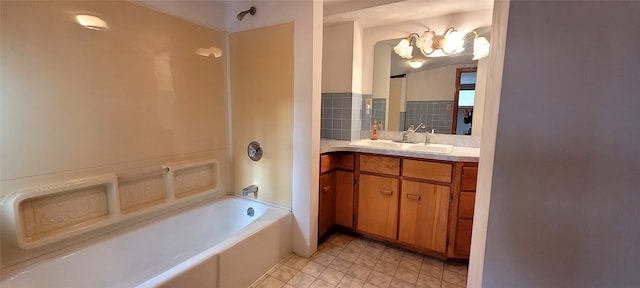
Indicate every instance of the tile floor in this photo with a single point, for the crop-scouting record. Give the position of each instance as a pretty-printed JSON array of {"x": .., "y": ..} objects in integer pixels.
[{"x": 346, "y": 261}]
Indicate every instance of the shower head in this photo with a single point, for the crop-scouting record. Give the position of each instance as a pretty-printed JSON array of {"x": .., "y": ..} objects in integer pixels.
[{"x": 251, "y": 11}]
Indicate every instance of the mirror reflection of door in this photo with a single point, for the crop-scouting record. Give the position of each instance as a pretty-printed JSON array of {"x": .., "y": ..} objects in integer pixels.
[
  {"x": 397, "y": 87},
  {"x": 464, "y": 100}
]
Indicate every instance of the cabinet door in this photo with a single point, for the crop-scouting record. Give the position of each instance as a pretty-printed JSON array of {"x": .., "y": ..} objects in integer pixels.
[
  {"x": 424, "y": 209},
  {"x": 378, "y": 205},
  {"x": 462, "y": 245},
  {"x": 326, "y": 209},
  {"x": 344, "y": 198}
]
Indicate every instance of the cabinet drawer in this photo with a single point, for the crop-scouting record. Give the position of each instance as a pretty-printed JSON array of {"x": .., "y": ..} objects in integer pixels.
[
  {"x": 344, "y": 161},
  {"x": 427, "y": 170},
  {"x": 469, "y": 178},
  {"x": 326, "y": 163},
  {"x": 380, "y": 164},
  {"x": 465, "y": 207}
]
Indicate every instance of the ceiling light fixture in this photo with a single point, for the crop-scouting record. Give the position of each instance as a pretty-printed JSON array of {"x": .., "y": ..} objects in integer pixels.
[
  {"x": 430, "y": 44},
  {"x": 211, "y": 51},
  {"x": 92, "y": 22},
  {"x": 416, "y": 63}
]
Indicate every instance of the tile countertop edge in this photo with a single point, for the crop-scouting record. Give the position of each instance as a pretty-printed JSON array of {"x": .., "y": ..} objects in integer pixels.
[{"x": 459, "y": 154}]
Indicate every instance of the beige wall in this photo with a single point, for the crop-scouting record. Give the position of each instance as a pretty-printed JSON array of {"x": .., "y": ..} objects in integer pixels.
[
  {"x": 78, "y": 103},
  {"x": 337, "y": 58},
  {"x": 262, "y": 109},
  {"x": 432, "y": 85},
  {"x": 437, "y": 84},
  {"x": 74, "y": 98}
]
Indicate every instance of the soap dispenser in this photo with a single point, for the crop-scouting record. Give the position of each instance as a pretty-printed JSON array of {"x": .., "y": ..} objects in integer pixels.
[{"x": 374, "y": 131}]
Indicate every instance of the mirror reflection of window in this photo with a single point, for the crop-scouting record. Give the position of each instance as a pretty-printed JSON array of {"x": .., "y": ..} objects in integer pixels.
[{"x": 464, "y": 101}]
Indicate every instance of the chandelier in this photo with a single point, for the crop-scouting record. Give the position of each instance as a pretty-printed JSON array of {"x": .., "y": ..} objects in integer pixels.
[{"x": 451, "y": 42}]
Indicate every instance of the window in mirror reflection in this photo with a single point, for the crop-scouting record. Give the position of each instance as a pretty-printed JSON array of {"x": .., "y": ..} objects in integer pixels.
[{"x": 464, "y": 100}]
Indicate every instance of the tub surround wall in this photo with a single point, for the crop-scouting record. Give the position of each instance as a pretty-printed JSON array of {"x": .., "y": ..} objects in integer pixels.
[
  {"x": 306, "y": 17},
  {"x": 77, "y": 103},
  {"x": 262, "y": 109},
  {"x": 95, "y": 98}
]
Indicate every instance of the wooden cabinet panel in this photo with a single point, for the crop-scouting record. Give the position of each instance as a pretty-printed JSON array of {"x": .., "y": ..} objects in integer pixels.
[
  {"x": 462, "y": 244},
  {"x": 380, "y": 164},
  {"x": 465, "y": 208},
  {"x": 344, "y": 161},
  {"x": 378, "y": 205},
  {"x": 424, "y": 210},
  {"x": 326, "y": 163},
  {"x": 427, "y": 170},
  {"x": 326, "y": 209},
  {"x": 469, "y": 178},
  {"x": 344, "y": 198}
]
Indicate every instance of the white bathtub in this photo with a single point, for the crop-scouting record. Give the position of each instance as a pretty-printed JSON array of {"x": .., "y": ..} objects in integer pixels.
[{"x": 214, "y": 244}]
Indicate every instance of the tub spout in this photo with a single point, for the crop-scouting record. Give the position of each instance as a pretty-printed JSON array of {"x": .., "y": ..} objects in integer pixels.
[{"x": 250, "y": 189}]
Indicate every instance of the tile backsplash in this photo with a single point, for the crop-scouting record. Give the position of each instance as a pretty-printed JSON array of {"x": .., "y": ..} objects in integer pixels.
[
  {"x": 343, "y": 115},
  {"x": 434, "y": 114}
]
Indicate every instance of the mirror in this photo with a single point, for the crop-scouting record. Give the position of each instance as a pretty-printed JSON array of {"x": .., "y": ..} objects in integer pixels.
[{"x": 431, "y": 94}]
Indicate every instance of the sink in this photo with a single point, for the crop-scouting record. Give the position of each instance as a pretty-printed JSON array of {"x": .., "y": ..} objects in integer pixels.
[
  {"x": 434, "y": 148},
  {"x": 419, "y": 147},
  {"x": 378, "y": 144}
]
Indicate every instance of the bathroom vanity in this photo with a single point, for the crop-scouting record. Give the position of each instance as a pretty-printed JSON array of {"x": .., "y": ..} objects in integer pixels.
[{"x": 421, "y": 201}]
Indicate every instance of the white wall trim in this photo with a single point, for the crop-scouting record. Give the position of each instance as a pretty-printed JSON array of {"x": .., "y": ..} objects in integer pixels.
[{"x": 488, "y": 142}]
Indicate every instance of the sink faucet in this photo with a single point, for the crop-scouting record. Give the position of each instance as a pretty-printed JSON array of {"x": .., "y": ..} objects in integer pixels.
[
  {"x": 405, "y": 134},
  {"x": 426, "y": 137},
  {"x": 250, "y": 189}
]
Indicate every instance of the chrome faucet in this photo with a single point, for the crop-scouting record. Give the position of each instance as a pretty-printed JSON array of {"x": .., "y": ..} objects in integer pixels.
[
  {"x": 250, "y": 189},
  {"x": 405, "y": 134},
  {"x": 426, "y": 137}
]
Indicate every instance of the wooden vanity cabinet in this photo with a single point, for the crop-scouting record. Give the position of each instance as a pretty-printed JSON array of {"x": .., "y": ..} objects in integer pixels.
[
  {"x": 424, "y": 209},
  {"x": 378, "y": 205},
  {"x": 462, "y": 218},
  {"x": 335, "y": 203},
  {"x": 344, "y": 198},
  {"x": 327, "y": 198},
  {"x": 378, "y": 194},
  {"x": 422, "y": 204}
]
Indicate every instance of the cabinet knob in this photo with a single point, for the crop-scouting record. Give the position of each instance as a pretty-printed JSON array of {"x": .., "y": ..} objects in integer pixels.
[{"x": 413, "y": 196}]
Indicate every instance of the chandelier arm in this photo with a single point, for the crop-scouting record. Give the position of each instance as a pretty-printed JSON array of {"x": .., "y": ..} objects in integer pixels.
[
  {"x": 413, "y": 37},
  {"x": 425, "y": 53},
  {"x": 474, "y": 33}
]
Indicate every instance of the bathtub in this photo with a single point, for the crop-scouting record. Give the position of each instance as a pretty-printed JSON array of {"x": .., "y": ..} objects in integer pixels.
[{"x": 213, "y": 244}]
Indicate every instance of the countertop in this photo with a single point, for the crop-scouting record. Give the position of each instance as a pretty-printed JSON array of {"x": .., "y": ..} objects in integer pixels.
[{"x": 459, "y": 154}]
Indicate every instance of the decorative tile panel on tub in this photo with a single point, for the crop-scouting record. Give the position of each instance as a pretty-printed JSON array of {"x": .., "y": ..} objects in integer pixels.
[
  {"x": 50, "y": 213},
  {"x": 195, "y": 178},
  {"x": 46, "y": 215},
  {"x": 140, "y": 193}
]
